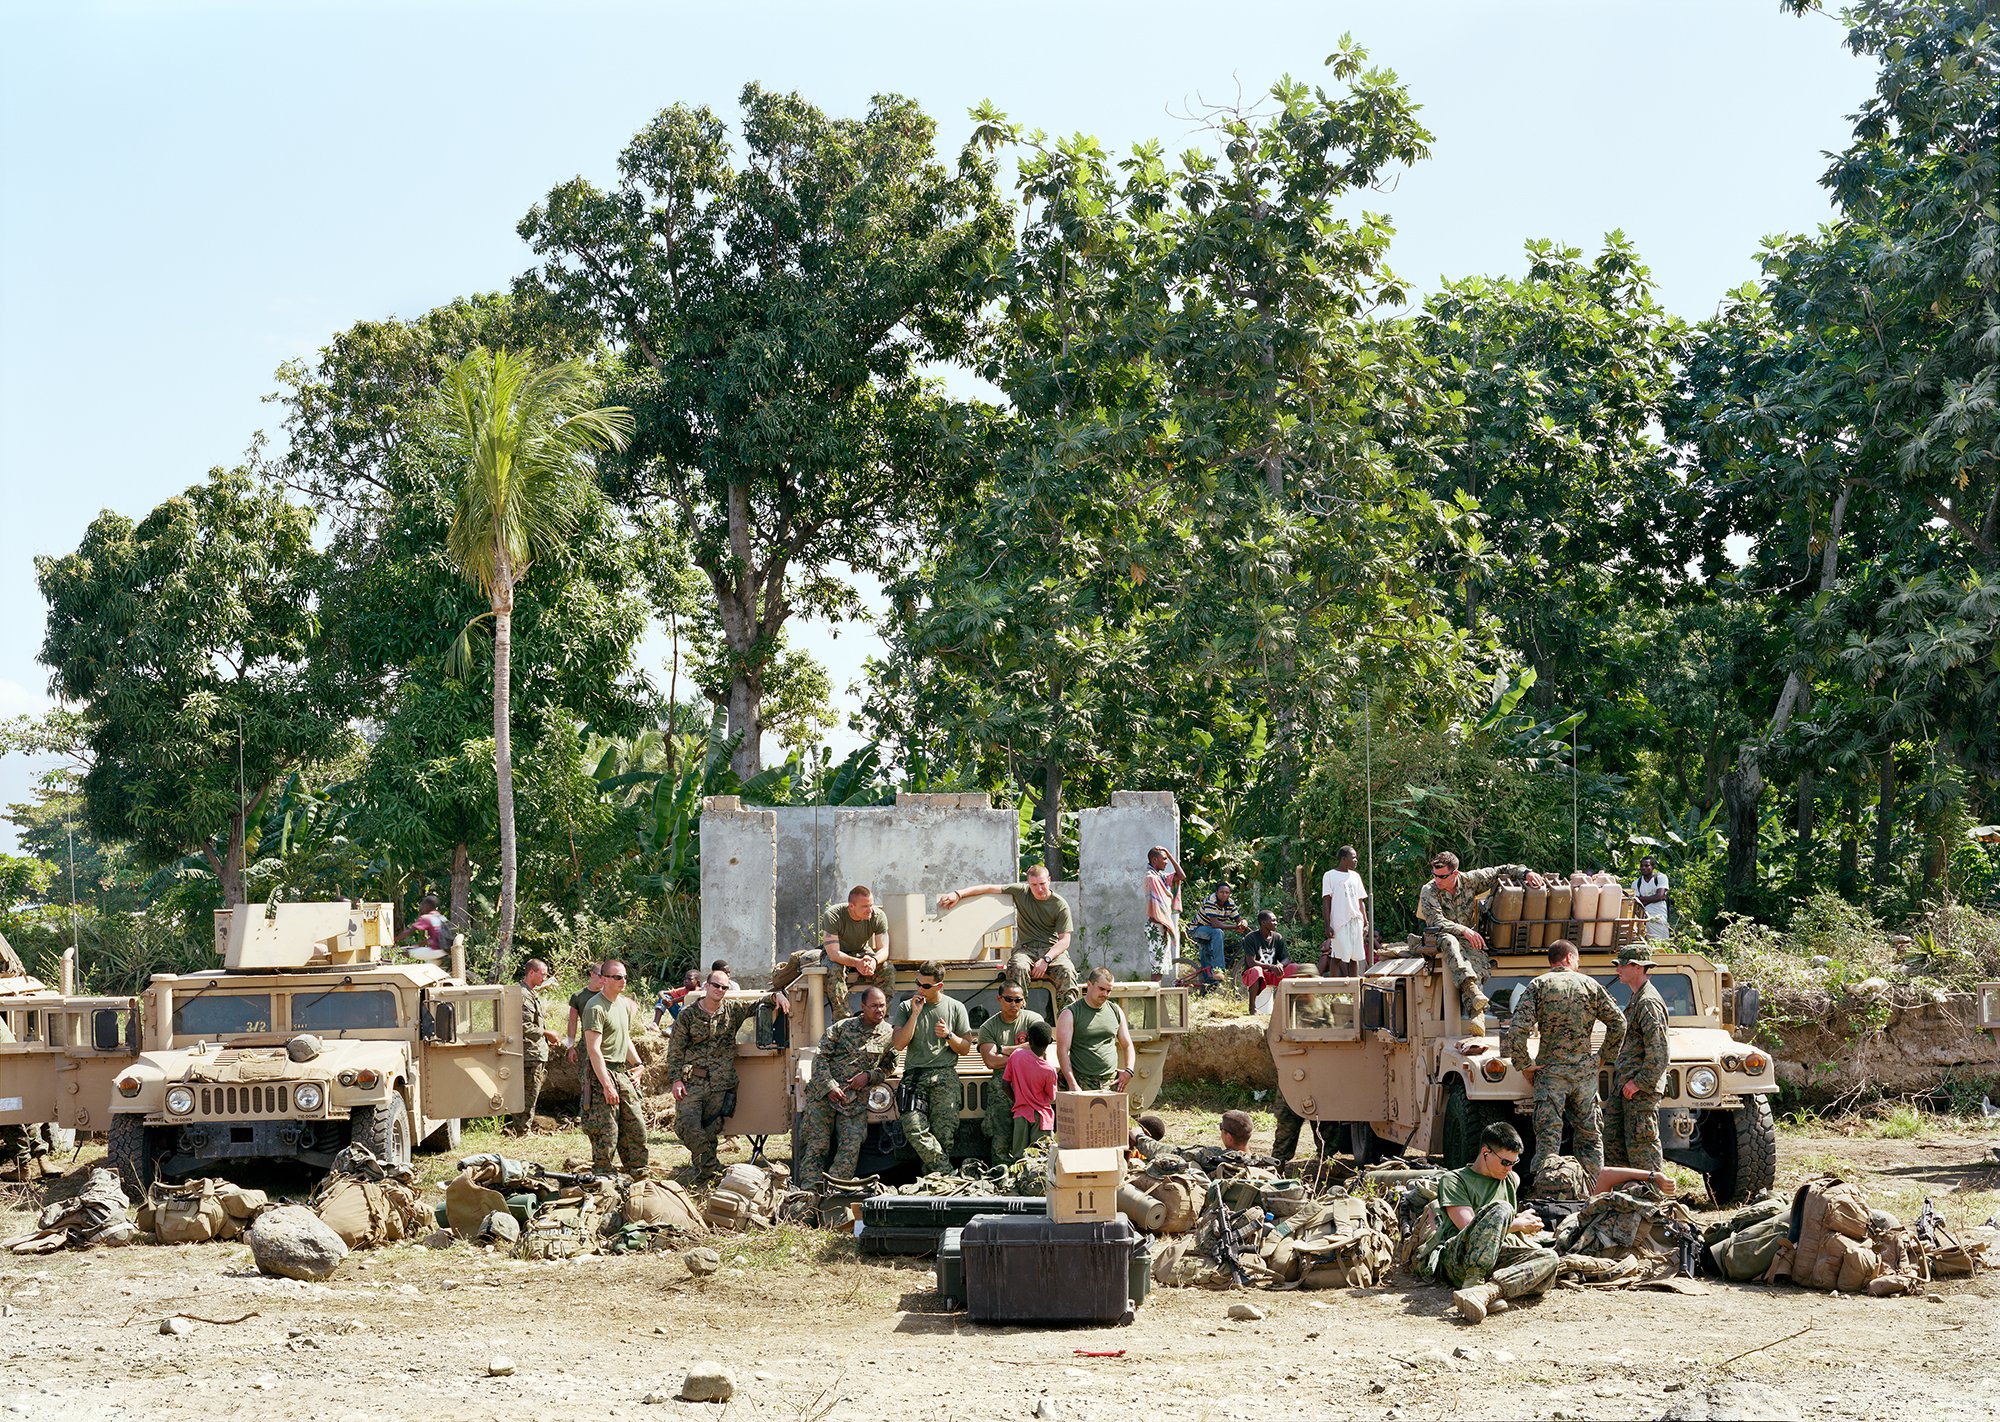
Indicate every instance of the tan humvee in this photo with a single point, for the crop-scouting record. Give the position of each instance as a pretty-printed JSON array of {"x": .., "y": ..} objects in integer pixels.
[
  {"x": 316, "y": 1031},
  {"x": 971, "y": 944},
  {"x": 29, "y": 1009},
  {"x": 1388, "y": 1055}
]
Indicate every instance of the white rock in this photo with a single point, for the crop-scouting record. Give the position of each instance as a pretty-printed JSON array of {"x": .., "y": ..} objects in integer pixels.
[
  {"x": 707, "y": 1381},
  {"x": 499, "y": 1366},
  {"x": 291, "y": 1242},
  {"x": 176, "y": 1327},
  {"x": 1047, "y": 1409},
  {"x": 1246, "y": 1313},
  {"x": 1501, "y": 1355}
]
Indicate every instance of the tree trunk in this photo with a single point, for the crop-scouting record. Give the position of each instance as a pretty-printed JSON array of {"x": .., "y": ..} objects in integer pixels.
[
  {"x": 1847, "y": 879},
  {"x": 1802, "y": 850},
  {"x": 1052, "y": 780},
  {"x": 461, "y": 885},
  {"x": 1885, "y": 821},
  {"x": 746, "y": 721},
  {"x": 503, "y": 761}
]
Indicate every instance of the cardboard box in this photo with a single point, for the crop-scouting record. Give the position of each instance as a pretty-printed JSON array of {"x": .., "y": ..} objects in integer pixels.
[
  {"x": 1092, "y": 1120},
  {"x": 1083, "y": 1183}
]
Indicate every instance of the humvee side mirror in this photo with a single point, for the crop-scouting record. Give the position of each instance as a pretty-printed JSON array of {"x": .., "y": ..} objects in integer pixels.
[
  {"x": 1746, "y": 1009},
  {"x": 104, "y": 1033},
  {"x": 444, "y": 1022}
]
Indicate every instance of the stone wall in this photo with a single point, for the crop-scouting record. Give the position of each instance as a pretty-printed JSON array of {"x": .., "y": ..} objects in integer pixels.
[
  {"x": 739, "y": 882},
  {"x": 1112, "y": 845}
]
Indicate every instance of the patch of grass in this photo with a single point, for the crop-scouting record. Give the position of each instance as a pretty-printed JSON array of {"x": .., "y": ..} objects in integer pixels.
[
  {"x": 1901, "y": 1123},
  {"x": 1216, "y": 1096}
]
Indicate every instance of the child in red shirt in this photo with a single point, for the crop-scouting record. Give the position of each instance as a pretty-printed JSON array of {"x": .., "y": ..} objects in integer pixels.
[{"x": 1032, "y": 1078}]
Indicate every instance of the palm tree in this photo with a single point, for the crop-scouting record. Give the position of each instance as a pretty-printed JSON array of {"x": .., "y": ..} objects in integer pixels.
[{"x": 521, "y": 436}]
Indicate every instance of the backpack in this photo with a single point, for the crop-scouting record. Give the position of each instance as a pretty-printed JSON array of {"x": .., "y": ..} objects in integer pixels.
[
  {"x": 1180, "y": 1193},
  {"x": 1831, "y": 1242},
  {"x": 1747, "y": 1254},
  {"x": 366, "y": 1212},
  {"x": 662, "y": 1205},
  {"x": 1342, "y": 1243},
  {"x": 467, "y": 1203},
  {"x": 191, "y": 1213},
  {"x": 746, "y": 1195},
  {"x": 563, "y": 1226}
]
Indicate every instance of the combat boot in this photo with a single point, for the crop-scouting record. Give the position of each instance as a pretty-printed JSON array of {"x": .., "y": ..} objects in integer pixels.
[{"x": 1475, "y": 1301}]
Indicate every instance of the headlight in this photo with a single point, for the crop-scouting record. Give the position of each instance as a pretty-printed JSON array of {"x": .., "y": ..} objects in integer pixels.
[
  {"x": 880, "y": 1098},
  {"x": 1702, "y": 1082},
  {"x": 1754, "y": 1064},
  {"x": 180, "y": 1101},
  {"x": 308, "y": 1097}
]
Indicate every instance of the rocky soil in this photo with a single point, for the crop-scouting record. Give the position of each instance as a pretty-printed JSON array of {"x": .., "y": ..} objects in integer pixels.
[{"x": 808, "y": 1329}]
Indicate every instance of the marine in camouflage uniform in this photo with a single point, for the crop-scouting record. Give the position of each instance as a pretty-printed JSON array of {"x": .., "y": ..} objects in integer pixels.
[
  {"x": 1451, "y": 914},
  {"x": 1632, "y": 1123},
  {"x": 701, "y": 1064},
  {"x": 616, "y": 1130},
  {"x": 857, "y": 1046},
  {"x": 534, "y": 1047},
  {"x": 1482, "y": 1253},
  {"x": 1562, "y": 1004}
]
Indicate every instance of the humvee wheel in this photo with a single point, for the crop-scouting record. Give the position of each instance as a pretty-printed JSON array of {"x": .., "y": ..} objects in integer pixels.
[
  {"x": 1364, "y": 1145},
  {"x": 1744, "y": 1145},
  {"x": 1463, "y": 1121},
  {"x": 384, "y": 1130},
  {"x": 445, "y": 1137},
  {"x": 132, "y": 1151}
]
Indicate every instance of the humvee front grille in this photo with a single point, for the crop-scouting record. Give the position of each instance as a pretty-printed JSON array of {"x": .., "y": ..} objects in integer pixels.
[
  {"x": 1673, "y": 1085},
  {"x": 245, "y": 1102}
]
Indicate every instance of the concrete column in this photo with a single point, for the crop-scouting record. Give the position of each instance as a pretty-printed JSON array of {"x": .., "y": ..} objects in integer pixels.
[
  {"x": 807, "y": 881},
  {"x": 1111, "y": 853},
  {"x": 739, "y": 880}
]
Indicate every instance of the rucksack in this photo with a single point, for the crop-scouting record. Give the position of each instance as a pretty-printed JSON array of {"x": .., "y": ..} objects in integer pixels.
[
  {"x": 660, "y": 1204},
  {"x": 1747, "y": 1254},
  {"x": 746, "y": 1195},
  {"x": 368, "y": 1212},
  {"x": 1831, "y": 1242},
  {"x": 1340, "y": 1243},
  {"x": 563, "y": 1226},
  {"x": 197, "y": 1211},
  {"x": 1181, "y": 1194}
]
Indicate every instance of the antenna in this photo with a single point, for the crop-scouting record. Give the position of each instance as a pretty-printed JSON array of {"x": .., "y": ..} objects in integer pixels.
[
  {"x": 1574, "y": 864},
  {"x": 1368, "y": 782},
  {"x": 242, "y": 801},
  {"x": 71, "y": 828}
]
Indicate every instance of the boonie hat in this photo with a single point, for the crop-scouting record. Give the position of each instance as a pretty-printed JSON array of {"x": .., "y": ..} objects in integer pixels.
[{"x": 1641, "y": 953}]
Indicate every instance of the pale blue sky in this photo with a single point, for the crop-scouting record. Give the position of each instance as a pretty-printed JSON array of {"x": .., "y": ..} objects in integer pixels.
[{"x": 191, "y": 193}]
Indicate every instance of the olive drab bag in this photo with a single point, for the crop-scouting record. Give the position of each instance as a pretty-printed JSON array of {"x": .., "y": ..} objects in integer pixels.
[
  {"x": 1181, "y": 1192},
  {"x": 197, "y": 1211},
  {"x": 564, "y": 1226},
  {"x": 368, "y": 1212}
]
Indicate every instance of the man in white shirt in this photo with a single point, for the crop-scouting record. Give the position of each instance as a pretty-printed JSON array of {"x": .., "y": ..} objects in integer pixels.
[
  {"x": 1344, "y": 904},
  {"x": 1650, "y": 889}
]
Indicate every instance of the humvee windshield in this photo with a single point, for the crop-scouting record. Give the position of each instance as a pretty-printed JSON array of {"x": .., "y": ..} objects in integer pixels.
[
  {"x": 986, "y": 1003},
  {"x": 1675, "y": 989},
  {"x": 347, "y": 1010},
  {"x": 222, "y": 1014}
]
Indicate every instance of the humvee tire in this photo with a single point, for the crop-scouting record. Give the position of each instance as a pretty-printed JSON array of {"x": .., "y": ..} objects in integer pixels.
[
  {"x": 444, "y": 1138},
  {"x": 1464, "y": 1119},
  {"x": 1744, "y": 1145},
  {"x": 132, "y": 1151},
  {"x": 384, "y": 1130},
  {"x": 1365, "y": 1146}
]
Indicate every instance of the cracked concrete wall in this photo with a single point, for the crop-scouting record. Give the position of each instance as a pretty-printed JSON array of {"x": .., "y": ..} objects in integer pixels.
[
  {"x": 1111, "y": 852},
  {"x": 926, "y": 844},
  {"x": 739, "y": 881}
]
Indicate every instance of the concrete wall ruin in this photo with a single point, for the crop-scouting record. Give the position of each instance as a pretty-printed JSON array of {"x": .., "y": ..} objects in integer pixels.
[{"x": 767, "y": 874}]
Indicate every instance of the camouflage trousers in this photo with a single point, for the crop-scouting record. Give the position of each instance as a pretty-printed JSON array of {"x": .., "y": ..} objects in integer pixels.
[
  {"x": 931, "y": 1123},
  {"x": 1569, "y": 1099},
  {"x": 1482, "y": 1253},
  {"x": 534, "y": 1071},
  {"x": 698, "y": 1121},
  {"x": 884, "y": 977},
  {"x": 1285, "y": 1145},
  {"x": 1061, "y": 979},
  {"x": 617, "y": 1133},
  {"x": 824, "y": 1128},
  {"x": 999, "y": 1120},
  {"x": 1470, "y": 968},
  {"x": 1632, "y": 1129},
  {"x": 19, "y": 1145}
]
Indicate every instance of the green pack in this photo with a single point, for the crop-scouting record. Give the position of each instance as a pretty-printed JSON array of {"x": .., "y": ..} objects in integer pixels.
[{"x": 1748, "y": 1253}]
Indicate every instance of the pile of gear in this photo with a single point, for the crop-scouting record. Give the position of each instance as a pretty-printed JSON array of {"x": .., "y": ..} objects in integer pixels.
[{"x": 93, "y": 1216}]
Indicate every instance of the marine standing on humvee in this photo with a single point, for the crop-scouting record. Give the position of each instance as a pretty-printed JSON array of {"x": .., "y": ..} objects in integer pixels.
[
  {"x": 701, "y": 1064},
  {"x": 1632, "y": 1115},
  {"x": 1042, "y": 929},
  {"x": 854, "y": 1055},
  {"x": 1448, "y": 905},
  {"x": 1562, "y": 1004}
]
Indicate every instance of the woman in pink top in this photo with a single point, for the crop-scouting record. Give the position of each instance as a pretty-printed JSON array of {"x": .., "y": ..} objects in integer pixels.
[{"x": 1032, "y": 1078}]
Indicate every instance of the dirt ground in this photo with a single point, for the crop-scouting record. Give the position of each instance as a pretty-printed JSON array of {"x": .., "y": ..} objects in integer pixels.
[{"x": 811, "y": 1330}]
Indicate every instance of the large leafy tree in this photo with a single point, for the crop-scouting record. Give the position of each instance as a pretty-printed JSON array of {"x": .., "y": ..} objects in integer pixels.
[
  {"x": 1197, "y": 528},
  {"x": 188, "y": 643},
  {"x": 521, "y": 436},
  {"x": 779, "y": 298}
]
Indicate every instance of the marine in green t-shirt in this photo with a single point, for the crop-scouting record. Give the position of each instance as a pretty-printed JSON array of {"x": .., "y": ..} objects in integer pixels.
[
  {"x": 1093, "y": 1044},
  {"x": 614, "y": 1024},
  {"x": 927, "y": 1049},
  {"x": 1038, "y": 923},
  {"x": 859, "y": 945}
]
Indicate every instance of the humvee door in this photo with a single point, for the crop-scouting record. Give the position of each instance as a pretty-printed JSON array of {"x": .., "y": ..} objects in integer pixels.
[
  {"x": 100, "y": 1038},
  {"x": 763, "y": 1092},
  {"x": 471, "y": 1051},
  {"x": 29, "y": 1059},
  {"x": 1330, "y": 1066}
]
